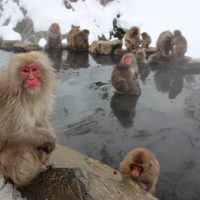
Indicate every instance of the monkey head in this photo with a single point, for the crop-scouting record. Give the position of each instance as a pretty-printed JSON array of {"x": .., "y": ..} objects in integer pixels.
[
  {"x": 55, "y": 28},
  {"x": 177, "y": 33},
  {"x": 31, "y": 73},
  {"x": 144, "y": 34},
  {"x": 135, "y": 31}
]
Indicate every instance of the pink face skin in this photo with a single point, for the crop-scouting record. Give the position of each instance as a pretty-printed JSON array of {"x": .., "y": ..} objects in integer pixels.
[
  {"x": 128, "y": 59},
  {"x": 136, "y": 171},
  {"x": 31, "y": 75}
]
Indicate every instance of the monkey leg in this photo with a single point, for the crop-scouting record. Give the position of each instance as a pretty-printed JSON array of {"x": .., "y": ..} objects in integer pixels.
[{"x": 21, "y": 165}]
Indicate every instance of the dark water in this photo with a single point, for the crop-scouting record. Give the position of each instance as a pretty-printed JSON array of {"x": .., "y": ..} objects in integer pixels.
[{"x": 88, "y": 117}]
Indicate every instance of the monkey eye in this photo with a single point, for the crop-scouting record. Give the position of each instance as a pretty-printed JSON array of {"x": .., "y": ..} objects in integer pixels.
[
  {"x": 25, "y": 69},
  {"x": 34, "y": 69}
]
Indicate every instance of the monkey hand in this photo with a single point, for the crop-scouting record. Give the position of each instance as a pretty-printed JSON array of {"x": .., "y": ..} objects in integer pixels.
[{"x": 48, "y": 146}]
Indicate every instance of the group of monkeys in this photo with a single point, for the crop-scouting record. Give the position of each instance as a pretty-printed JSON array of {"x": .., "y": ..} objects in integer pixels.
[
  {"x": 168, "y": 43},
  {"x": 27, "y": 138},
  {"x": 76, "y": 38}
]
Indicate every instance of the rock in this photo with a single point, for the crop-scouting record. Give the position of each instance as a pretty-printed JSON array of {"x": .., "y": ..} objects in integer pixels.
[
  {"x": 77, "y": 177},
  {"x": 1, "y": 40},
  {"x": 26, "y": 46},
  {"x": 8, "y": 44},
  {"x": 104, "y": 47}
]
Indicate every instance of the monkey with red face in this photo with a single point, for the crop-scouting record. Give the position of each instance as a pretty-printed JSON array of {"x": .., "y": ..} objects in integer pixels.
[
  {"x": 124, "y": 77},
  {"x": 26, "y": 136}
]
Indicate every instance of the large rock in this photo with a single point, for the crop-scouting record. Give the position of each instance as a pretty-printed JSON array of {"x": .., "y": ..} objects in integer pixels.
[
  {"x": 26, "y": 46},
  {"x": 8, "y": 44},
  {"x": 77, "y": 177},
  {"x": 104, "y": 47}
]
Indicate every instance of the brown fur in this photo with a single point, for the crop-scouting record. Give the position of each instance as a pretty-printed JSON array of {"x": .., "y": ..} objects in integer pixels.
[
  {"x": 54, "y": 36},
  {"x": 146, "y": 40},
  {"x": 70, "y": 35},
  {"x": 180, "y": 44},
  {"x": 164, "y": 46},
  {"x": 141, "y": 57},
  {"x": 132, "y": 38},
  {"x": 26, "y": 136},
  {"x": 81, "y": 39},
  {"x": 151, "y": 168},
  {"x": 122, "y": 76}
]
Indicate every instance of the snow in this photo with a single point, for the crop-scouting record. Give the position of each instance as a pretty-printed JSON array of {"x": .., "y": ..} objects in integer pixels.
[{"x": 151, "y": 16}]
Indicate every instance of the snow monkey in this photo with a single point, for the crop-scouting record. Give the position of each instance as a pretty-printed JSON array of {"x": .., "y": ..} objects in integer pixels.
[
  {"x": 124, "y": 77},
  {"x": 71, "y": 34},
  {"x": 146, "y": 40},
  {"x": 54, "y": 37},
  {"x": 164, "y": 46},
  {"x": 26, "y": 136},
  {"x": 132, "y": 38},
  {"x": 180, "y": 44},
  {"x": 81, "y": 39},
  {"x": 141, "y": 165}
]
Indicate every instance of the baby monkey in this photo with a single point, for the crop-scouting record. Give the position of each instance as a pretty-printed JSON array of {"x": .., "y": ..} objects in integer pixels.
[
  {"x": 141, "y": 165},
  {"x": 124, "y": 77}
]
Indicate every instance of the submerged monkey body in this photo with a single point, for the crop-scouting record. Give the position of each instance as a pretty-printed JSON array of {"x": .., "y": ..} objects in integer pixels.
[{"x": 26, "y": 136}]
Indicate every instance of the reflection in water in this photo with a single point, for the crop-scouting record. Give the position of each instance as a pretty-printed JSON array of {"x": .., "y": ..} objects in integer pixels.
[
  {"x": 56, "y": 56},
  {"x": 170, "y": 81},
  {"x": 89, "y": 118},
  {"x": 77, "y": 59},
  {"x": 123, "y": 107}
]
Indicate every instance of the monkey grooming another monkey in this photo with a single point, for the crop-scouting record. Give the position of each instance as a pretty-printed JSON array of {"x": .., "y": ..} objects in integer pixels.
[
  {"x": 54, "y": 37},
  {"x": 81, "y": 39},
  {"x": 124, "y": 77},
  {"x": 146, "y": 40},
  {"x": 141, "y": 165},
  {"x": 180, "y": 44},
  {"x": 26, "y": 136},
  {"x": 164, "y": 46},
  {"x": 132, "y": 38}
]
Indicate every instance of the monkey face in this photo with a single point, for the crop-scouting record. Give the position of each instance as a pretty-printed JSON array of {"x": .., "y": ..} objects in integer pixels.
[
  {"x": 55, "y": 28},
  {"x": 30, "y": 74},
  {"x": 136, "y": 170}
]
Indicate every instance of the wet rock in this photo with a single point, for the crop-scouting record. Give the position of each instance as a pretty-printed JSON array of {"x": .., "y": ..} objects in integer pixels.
[
  {"x": 8, "y": 44},
  {"x": 26, "y": 46},
  {"x": 104, "y": 47},
  {"x": 1, "y": 40},
  {"x": 77, "y": 177}
]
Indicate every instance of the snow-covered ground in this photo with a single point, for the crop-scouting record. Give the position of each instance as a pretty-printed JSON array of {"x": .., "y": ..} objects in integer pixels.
[{"x": 152, "y": 16}]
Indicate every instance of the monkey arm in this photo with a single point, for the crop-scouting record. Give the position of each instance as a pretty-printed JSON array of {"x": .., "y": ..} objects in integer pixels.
[{"x": 37, "y": 137}]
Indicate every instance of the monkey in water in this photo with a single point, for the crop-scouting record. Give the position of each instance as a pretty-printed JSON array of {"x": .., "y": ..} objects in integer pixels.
[
  {"x": 54, "y": 37},
  {"x": 164, "y": 45},
  {"x": 180, "y": 43},
  {"x": 26, "y": 98},
  {"x": 132, "y": 38},
  {"x": 124, "y": 77},
  {"x": 146, "y": 40},
  {"x": 70, "y": 35},
  {"x": 141, "y": 166}
]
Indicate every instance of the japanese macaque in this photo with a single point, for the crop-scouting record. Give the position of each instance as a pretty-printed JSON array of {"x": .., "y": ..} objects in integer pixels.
[
  {"x": 180, "y": 44},
  {"x": 54, "y": 37},
  {"x": 141, "y": 165},
  {"x": 125, "y": 75},
  {"x": 146, "y": 40},
  {"x": 81, "y": 39},
  {"x": 26, "y": 136},
  {"x": 71, "y": 34},
  {"x": 141, "y": 58},
  {"x": 164, "y": 45},
  {"x": 132, "y": 38}
]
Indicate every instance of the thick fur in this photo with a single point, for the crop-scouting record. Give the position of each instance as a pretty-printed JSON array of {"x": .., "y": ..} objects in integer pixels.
[
  {"x": 54, "y": 38},
  {"x": 132, "y": 38},
  {"x": 26, "y": 136},
  {"x": 146, "y": 40},
  {"x": 70, "y": 35},
  {"x": 180, "y": 44},
  {"x": 164, "y": 45},
  {"x": 122, "y": 77},
  {"x": 151, "y": 168},
  {"x": 81, "y": 39}
]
